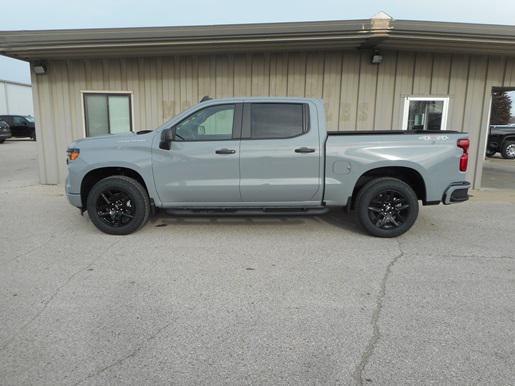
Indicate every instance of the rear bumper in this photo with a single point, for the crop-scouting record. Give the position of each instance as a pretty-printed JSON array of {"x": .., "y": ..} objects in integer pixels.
[{"x": 456, "y": 192}]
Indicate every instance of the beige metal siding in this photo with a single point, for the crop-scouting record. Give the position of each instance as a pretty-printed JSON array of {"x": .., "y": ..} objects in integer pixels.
[
  {"x": 403, "y": 85},
  {"x": 357, "y": 94}
]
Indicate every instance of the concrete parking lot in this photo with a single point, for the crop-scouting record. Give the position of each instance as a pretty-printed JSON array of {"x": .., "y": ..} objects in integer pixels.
[
  {"x": 251, "y": 300},
  {"x": 498, "y": 173}
]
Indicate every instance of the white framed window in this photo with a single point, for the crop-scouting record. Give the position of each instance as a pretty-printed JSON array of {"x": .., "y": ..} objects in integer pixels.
[
  {"x": 107, "y": 112},
  {"x": 425, "y": 113}
]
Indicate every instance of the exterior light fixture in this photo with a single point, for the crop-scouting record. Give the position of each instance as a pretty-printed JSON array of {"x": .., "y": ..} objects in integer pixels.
[
  {"x": 39, "y": 68},
  {"x": 376, "y": 58}
]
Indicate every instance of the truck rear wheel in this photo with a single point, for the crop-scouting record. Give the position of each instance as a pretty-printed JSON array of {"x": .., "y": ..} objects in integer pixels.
[
  {"x": 386, "y": 207},
  {"x": 118, "y": 205}
]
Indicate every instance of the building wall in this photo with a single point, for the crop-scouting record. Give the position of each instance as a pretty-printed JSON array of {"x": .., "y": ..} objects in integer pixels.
[
  {"x": 15, "y": 98},
  {"x": 357, "y": 94}
]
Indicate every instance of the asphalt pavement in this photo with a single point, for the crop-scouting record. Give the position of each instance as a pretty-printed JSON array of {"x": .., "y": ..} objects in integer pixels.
[
  {"x": 498, "y": 173},
  {"x": 250, "y": 300}
]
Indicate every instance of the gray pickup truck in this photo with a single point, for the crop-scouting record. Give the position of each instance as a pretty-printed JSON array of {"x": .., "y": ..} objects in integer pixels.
[{"x": 264, "y": 156}]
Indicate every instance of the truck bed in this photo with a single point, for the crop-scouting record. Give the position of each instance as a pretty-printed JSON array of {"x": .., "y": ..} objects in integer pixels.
[
  {"x": 386, "y": 132},
  {"x": 433, "y": 155}
]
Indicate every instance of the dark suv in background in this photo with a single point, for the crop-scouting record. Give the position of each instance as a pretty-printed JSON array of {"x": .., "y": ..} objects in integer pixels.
[
  {"x": 21, "y": 126},
  {"x": 500, "y": 139},
  {"x": 5, "y": 131}
]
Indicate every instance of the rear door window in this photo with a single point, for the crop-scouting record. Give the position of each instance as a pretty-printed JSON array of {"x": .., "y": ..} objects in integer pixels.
[{"x": 277, "y": 120}]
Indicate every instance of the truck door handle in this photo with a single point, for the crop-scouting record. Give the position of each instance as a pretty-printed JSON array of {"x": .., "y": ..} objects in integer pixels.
[
  {"x": 304, "y": 150},
  {"x": 225, "y": 151}
]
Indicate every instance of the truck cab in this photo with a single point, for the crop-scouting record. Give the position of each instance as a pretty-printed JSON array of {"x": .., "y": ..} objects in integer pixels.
[{"x": 254, "y": 153}]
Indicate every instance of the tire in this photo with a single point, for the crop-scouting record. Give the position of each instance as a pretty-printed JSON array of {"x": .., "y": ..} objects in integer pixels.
[
  {"x": 490, "y": 153},
  {"x": 118, "y": 205},
  {"x": 2, "y": 140},
  {"x": 508, "y": 150},
  {"x": 33, "y": 135},
  {"x": 386, "y": 207}
]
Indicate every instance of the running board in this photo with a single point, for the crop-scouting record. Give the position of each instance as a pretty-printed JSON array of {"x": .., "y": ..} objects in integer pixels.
[{"x": 248, "y": 211}]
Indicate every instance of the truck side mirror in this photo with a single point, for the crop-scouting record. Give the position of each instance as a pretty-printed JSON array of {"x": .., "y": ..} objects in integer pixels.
[{"x": 166, "y": 139}]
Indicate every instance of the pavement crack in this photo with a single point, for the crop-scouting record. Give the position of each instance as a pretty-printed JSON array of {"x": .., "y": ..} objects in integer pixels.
[
  {"x": 55, "y": 294},
  {"x": 357, "y": 375},
  {"x": 131, "y": 354},
  {"x": 465, "y": 256}
]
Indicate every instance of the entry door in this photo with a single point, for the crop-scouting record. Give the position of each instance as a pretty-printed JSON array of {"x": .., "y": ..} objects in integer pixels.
[
  {"x": 279, "y": 155},
  {"x": 201, "y": 168}
]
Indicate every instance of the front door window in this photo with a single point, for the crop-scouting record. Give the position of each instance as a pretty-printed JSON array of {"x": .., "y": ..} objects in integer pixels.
[{"x": 213, "y": 123}]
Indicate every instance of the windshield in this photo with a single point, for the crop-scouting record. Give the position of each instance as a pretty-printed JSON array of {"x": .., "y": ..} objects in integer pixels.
[{"x": 30, "y": 118}]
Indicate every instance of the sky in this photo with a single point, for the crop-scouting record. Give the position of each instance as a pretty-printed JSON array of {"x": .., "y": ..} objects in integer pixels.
[{"x": 58, "y": 14}]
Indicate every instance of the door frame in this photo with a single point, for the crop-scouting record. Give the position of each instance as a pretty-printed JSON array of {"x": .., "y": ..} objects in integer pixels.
[
  {"x": 310, "y": 127},
  {"x": 480, "y": 157},
  {"x": 236, "y": 134}
]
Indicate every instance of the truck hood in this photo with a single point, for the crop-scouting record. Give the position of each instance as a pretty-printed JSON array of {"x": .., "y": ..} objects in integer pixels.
[{"x": 112, "y": 138}]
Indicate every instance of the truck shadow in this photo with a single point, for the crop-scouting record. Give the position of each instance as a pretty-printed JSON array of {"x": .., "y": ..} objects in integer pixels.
[
  {"x": 343, "y": 220},
  {"x": 337, "y": 218}
]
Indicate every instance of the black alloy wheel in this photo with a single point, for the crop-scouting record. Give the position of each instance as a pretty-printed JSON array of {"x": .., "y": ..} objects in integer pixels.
[
  {"x": 387, "y": 207},
  {"x": 114, "y": 207},
  {"x": 118, "y": 205}
]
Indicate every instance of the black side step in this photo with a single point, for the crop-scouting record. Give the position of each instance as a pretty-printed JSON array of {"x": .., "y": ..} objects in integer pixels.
[{"x": 247, "y": 211}]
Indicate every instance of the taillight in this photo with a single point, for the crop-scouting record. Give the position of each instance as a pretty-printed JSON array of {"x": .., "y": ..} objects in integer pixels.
[{"x": 464, "y": 144}]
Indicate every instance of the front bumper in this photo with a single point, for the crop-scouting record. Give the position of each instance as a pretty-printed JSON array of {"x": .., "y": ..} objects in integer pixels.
[
  {"x": 4, "y": 136},
  {"x": 74, "y": 199},
  {"x": 456, "y": 192}
]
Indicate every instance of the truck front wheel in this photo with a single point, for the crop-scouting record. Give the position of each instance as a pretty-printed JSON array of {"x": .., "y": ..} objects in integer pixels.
[
  {"x": 118, "y": 205},
  {"x": 490, "y": 152},
  {"x": 386, "y": 207}
]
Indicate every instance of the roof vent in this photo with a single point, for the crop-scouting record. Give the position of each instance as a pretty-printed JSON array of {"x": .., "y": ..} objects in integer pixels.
[
  {"x": 381, "y": 15},
  {"x": 381, "y": 20}
]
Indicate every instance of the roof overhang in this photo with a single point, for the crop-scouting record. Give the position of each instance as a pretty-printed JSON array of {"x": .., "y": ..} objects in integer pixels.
[
  {"x": 452, "y": 37},
  {"x": 382, "y": 33}
]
